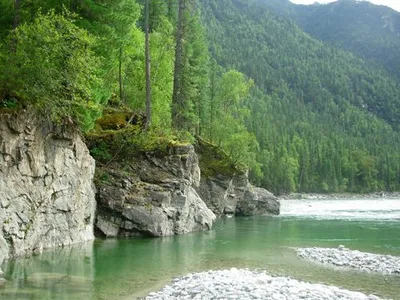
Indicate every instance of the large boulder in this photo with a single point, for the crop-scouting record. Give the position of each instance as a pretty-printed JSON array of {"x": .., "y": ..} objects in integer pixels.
[
  {"x": 47, "y": 196},
  {"x": 151, "y": 194},
  {"x": 257, "y": 201}
]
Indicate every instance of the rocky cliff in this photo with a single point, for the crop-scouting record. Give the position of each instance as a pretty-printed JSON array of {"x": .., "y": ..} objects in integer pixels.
[
  {"x": 225, "y": 187},
  {"x": 163, "y": 192},
  {"x": 152, "y": 194},
  {"x": 47, "y": 196}
]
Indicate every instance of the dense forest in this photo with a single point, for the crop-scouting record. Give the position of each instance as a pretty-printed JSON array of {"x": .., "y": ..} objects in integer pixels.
[
  {"x": 301, "y": 114},
  {"x": 368, "y": 30}
]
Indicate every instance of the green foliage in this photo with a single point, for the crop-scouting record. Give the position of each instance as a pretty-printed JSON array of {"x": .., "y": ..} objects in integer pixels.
[
  {"x": 10, "y": 103},
  {"x": 100, "y": 152},
  {"x": 320, "y": 115},
  {"x": 363, "y": 28},
  {"x": 226, "y": 115},
  {"x": 313, "y": 118},
  {"x": 214, "y": 161},
  {"x": 51, "y": 66},
  {"x": 120, "y": 145}
]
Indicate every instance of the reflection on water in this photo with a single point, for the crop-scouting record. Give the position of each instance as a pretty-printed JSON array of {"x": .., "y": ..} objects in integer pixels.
[
  {"x": 129, "y": 268},
  {"x": 59, "y": 274}
]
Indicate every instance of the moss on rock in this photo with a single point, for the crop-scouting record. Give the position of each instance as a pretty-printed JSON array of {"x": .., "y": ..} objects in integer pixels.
[{"x": 213, "y": 161}]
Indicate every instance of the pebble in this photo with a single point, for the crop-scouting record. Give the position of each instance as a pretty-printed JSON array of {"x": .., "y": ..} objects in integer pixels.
[
  {"x": 246, "y": 285},
  {"x": 344, "y": 257}
]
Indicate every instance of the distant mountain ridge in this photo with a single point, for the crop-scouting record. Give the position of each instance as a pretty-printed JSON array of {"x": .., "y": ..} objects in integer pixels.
[{"x": 368, "y": 30}]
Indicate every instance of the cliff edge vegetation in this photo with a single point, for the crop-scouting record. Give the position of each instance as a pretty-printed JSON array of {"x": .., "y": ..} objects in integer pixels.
[{"x": 301, "y": 115}]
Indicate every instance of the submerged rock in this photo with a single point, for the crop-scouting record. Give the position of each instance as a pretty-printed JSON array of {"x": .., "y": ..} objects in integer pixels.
[
  {"x": 245, "y": 284},
  {"x": 152, "y": 194},
  {"x": 46, "y": 183},
  {"x": 344, "y": 257}
]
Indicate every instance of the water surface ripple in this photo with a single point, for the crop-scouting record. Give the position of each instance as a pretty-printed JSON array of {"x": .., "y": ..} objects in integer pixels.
[{"x": 130, "y": 268}]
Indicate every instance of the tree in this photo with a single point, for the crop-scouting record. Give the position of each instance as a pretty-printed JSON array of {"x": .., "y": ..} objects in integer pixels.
[
  {"x": 54, "y": 69},
  {"x": 177, "y": 97},
  {"x": 148, "y": 76}
]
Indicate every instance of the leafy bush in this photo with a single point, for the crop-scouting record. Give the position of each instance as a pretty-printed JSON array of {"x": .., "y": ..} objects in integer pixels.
[{"x": 50, "y": 65}]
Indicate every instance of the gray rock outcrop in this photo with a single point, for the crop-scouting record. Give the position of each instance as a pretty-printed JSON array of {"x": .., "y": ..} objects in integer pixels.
[
  {"x": 225, "y": 186},
  {"x": 152, "y": 195},
  {"x": 234, "y": 195},
  {"x": 47, "y": 196}
]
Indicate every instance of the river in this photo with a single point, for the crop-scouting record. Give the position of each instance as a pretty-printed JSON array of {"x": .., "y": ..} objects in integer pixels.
[{"x": 130, "y": 268}]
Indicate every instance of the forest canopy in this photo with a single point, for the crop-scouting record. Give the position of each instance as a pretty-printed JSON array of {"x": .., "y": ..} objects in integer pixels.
[{"x": 302, "y": 115}]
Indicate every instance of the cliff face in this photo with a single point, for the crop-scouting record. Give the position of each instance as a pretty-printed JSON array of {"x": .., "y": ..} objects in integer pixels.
[
  {"x": 152, "y": 194},
  {"x": 47, "y": 196},
  {"x": 160, "y": 194},
  {"x": 48, "y": 199}
]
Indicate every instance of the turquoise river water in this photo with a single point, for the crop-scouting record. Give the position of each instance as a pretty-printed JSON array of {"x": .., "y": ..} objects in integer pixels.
[{"x": 130, "y": 268}]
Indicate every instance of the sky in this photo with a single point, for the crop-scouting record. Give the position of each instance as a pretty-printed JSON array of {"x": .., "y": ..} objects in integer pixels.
[{"x": 395, "y": 4}]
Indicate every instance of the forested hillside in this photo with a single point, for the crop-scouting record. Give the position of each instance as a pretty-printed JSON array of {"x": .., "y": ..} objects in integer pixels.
[
  {"x": 302, "y": 115},
  {"x": 325, "y": 120},
  {"x": 367, "y": 30},
  {"x": 71, "y": 60}
]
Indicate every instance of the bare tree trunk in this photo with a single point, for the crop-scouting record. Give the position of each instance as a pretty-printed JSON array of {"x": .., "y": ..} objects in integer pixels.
[
  {"x": 121, "y": 96},
  {"x": 177, "y": 100},
  {"x": 148, "y": 77},
  {"x": 16, "y": 21},
  {"x": 17, "y": 5}
]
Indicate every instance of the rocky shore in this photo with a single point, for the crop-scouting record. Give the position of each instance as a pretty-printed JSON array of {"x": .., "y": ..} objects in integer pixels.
[
  {"x": 344, "y": 257},
  {"x": 245, "y": 284}
]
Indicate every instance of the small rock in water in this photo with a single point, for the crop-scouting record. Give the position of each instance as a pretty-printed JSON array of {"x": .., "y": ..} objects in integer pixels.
[{"x": 341, "y": 247}]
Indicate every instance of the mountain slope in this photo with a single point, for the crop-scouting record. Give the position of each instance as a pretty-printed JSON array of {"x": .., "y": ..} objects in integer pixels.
[
  {"x": 320, "y": 115},
  {"x": 368, "y": 30}
]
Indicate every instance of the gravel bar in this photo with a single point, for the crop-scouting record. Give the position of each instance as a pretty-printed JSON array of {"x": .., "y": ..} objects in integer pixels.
[
  {"x": 344, "y": 257},
  {"x": 244, "y": 284}
]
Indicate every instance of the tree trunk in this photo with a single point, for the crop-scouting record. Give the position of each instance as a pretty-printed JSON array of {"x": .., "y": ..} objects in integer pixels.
[
  {"x": 148, "y": 77},
  {"x": 177, "y": 101},
  {"x": 121, "y": 96},
  {"x": 17, "y": 5},
  {"x": 16, "y": 21}
]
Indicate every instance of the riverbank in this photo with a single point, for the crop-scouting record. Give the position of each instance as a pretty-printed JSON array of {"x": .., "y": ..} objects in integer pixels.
[
  {"x": 344, "y": 257},
  {"x": 312, "y": 196},
  {"x": 246, "y": 284}
]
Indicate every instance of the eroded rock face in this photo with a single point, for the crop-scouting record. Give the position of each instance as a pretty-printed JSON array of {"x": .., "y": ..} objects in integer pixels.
[
  {"x": 225, "y": 186},
  {"x": 47, "y": 196},
  {"x": 152, "y": 195},
  {"x": 234, "y": 195}
]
